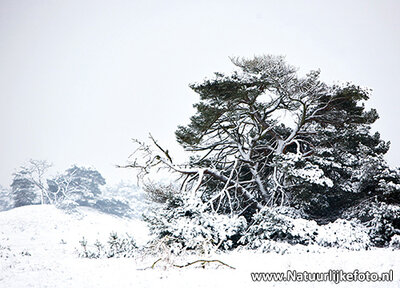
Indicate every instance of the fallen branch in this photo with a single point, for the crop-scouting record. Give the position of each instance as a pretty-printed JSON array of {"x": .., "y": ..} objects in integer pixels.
[
  {"x": 154, "y": 264},
  {"x": 203, "y": 262}
]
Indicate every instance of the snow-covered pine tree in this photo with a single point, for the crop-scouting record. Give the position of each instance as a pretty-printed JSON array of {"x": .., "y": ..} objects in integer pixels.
[
  {"x": 344, "y": 151},
  {"x": 6, "y": 199},
  {"x": 263, "y": 136},
  {"x": 23, "y": 190},
  {"x": 78, "y": 184}
]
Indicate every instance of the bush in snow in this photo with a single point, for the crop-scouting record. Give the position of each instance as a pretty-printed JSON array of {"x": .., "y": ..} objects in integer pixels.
[
  {"x": 395, "y": 242},
  {"x": 90, "y": 253},
  {"x": 115, "y": 247},
  {"x": 382, "y": 220},
  {"x": 6, "y": 199},
  {"x": 185, "y": 223},
  {"x": 385, "y": 224},
  {"x": 5, "y": 252},
  {"x": 121, "y": 247},
  {"x": 270, "y": 225}
]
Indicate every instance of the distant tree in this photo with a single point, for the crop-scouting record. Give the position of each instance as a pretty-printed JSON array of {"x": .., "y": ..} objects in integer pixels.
[
  {"x": 78, "y": 184},
  {"x": 59, "y": 188},
  {"x": 6, "y": 199},
  {"x": 23, "y": 189},
  {"x": 35, "y": 172},
  {"x": 28, "y": 186}
]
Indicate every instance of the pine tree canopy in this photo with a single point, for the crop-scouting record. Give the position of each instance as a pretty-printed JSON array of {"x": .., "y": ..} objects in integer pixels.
[
  {"x": 278, "y": 138},
  {"x": 265, "y": 136}
]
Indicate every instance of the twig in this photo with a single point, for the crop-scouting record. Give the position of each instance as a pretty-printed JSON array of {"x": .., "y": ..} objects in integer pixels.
[
  {"x": 203, "y": 262},
  {"x": 154, "y": 264},
  {"x": 159, "y": 147}
]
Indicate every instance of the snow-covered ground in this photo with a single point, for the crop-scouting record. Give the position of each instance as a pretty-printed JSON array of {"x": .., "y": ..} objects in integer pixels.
[{"x": 38, "y": 248}]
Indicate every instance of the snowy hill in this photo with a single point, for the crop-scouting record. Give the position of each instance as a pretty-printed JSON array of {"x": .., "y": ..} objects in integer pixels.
[
  {"x": 38, "y": 249},
  {"x": 38, "y": 243}
]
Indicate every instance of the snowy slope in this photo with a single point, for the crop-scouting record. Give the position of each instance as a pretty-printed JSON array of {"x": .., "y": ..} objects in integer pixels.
[
  {"x": 38, "y": 249},
  {"x": 51, "y": 237}
]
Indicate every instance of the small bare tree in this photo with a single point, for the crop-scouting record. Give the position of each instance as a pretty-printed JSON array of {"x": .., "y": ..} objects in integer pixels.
[{"x": 35, "y": 172}]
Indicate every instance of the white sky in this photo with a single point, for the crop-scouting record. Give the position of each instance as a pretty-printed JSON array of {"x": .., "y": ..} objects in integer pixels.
[{"x": 79, "y": 79}]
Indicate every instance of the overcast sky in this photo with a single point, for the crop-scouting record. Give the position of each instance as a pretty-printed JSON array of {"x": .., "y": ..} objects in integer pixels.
[{"x": 79, "y": 79}]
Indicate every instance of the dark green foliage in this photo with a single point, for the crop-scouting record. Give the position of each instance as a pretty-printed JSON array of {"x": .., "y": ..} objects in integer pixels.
[
  {"x": 23, "y": 190},
  {"x": 85, "y": 182},
  {"x": 383, "y": 220},
  {"x": 6, "y": 199},
  {"x": 272, "y": 229},
  {"x": 350, "y": 156},
  {"x": 116, "y": 247},
  {"x": 78, "y": 184},
  {"x": 323, "y": 165},
  {"x": 121, "y": 247},
  {"x": 265, "y": 137}
]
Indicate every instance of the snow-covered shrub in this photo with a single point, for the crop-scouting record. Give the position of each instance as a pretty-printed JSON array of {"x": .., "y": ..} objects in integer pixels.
[
  {"x": 384, "y": 225},
  {"x": 270, "y": 226},
  {"x": 343, "y": 234},
  {"x": 121, "y": 247},
  {"x": 382, "y": 220},
  {"x": 185, "y": 223},
  {"x": 395, "y": 242},
  {"x": 115, "y": 247},
  {"x": 87, "y": 253},
  {"x": 5, "y": 252},
  {"x": 6, "y": 199}
]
